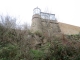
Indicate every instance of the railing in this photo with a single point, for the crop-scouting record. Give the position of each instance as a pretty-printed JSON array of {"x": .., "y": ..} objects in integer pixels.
[
  {"x": 44, "y": 15},
  {"x": 47, "y": 16}
]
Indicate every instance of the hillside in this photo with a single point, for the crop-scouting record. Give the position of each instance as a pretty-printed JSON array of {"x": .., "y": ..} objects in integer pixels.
[
  {"x": 22, "y": 44},
  {"x": 69, "y": 29}
]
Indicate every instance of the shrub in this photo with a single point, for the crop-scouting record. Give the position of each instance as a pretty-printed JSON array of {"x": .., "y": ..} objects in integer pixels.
[
  {"x": 36, "y": 54},
  {"x": 8, "y": 52},
  {"x": 38, "y": 33}
]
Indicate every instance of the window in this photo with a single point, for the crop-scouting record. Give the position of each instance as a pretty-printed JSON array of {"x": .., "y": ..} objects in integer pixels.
[
  {"x": 52, "y": 17},
  {"x": 45, "y": 15},
  {"x": 36, "y": 11}
]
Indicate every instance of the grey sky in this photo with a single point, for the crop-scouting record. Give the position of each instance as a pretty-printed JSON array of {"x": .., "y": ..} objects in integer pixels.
[{"x": 67, "y": 11}]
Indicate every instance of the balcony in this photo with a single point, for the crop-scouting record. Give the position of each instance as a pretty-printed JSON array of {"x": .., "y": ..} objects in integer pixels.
[{"x": 44, "y": 15}]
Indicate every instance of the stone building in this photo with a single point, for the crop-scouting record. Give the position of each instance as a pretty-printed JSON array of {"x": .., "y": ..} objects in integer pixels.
[
  {"x": 47, "y": 24},
  {"x": 44, "y": 22}
]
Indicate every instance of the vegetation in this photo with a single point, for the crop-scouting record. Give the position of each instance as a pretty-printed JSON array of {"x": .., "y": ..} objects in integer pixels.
[{"x": 18, "y": 44}]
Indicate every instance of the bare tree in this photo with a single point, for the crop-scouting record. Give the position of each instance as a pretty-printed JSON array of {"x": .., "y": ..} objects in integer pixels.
[{"x": 8, "y": 22}]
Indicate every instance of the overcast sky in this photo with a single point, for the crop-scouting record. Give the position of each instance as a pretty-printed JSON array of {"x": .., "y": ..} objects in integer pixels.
[{"x": 67, "y": 11}]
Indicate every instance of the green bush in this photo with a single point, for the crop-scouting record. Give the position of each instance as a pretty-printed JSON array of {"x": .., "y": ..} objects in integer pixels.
[
  {"x": 36, "y": 54},
  {"x": 8, "y": 52}
]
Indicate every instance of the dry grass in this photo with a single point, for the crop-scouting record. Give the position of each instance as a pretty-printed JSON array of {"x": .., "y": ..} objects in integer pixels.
[{"x": 69, "y": 29}]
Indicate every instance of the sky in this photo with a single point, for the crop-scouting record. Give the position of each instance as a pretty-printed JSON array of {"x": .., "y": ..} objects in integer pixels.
[{"x": 66, "y": 11}]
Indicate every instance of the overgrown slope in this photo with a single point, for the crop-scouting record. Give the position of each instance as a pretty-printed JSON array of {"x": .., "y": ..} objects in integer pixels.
[{"x": 17, "y": 44}]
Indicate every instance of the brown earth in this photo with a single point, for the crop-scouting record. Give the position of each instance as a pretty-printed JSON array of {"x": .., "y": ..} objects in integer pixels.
[{"x": 69, "y": 29}]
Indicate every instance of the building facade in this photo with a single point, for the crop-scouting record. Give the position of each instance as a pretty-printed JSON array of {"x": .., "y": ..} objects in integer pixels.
[{"x": 44, "y": 22}]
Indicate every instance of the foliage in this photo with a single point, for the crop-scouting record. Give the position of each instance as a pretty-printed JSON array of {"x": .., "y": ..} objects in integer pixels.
[
  {"x": 16, "y": 44},
  {"x": 37, "y": 54},
  {"x": 74, "y": 37},
  {"x": 38, "y": 33},
  {"x": 8, "y": 52}
]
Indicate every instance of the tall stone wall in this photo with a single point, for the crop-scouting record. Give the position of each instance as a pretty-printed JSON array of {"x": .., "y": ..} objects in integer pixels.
[
  {"x": 44, "y": 25},
  {"x": 36, "y": 23}
]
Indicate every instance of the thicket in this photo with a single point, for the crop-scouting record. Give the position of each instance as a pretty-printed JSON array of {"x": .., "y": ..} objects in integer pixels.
[{"x": 15, "y": 44}]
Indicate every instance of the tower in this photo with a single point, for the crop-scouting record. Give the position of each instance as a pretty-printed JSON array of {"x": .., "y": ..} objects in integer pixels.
[
  {"x": 36, "y": 20},
  {"x": 44, "y": 22}
]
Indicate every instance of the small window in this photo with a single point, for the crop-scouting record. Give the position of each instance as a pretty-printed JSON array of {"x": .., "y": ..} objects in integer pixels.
[{"x": 52, "y": 17}]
